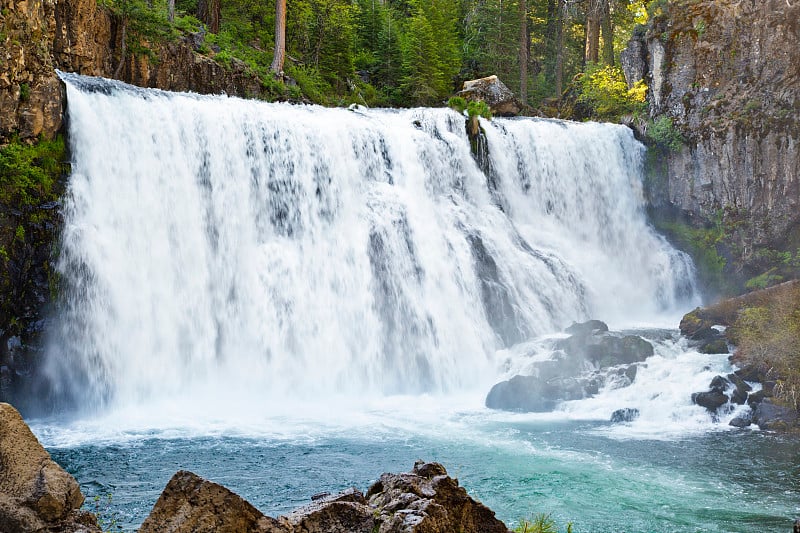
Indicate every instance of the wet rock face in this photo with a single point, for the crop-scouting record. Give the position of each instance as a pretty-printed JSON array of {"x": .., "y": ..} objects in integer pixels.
[
  {"x": 727, "y": 73},
  {"x": 35, "y": 493},
  {"x": 581, "y": 364}
]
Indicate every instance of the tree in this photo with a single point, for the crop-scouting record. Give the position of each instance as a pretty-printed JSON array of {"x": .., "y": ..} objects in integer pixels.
[
  {"x": 279, "y": 55},
  {"x": 524, "y": 44},
  {"x": 208, "y": 11}
]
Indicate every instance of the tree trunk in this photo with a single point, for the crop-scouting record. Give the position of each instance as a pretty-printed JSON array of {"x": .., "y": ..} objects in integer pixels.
[
  {"x": 608, "y": 34},
  {"x": 171, "y": 10},
  {"x": 523, "y": 51},
  {"x": 592, "y": 51},
  {"x": 123, "y": 46},
  {"x": 561, "y": 30},
  {"x": 208, "y": 11},
  {"x": 280, "y": 38}
]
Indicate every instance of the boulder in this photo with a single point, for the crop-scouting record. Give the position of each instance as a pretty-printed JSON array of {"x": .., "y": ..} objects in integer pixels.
[
  {"x": 711, "y": 400},
  {"x": 742, "y": 421},
  {"x": 587, "y": 328},
  {"x": 346, "y": 512},
  {"x": 495, "y": 93},
  {"x": 771, "y": 416},
  {"x": 35, "y": 493},
  {"x": 191, "y": 504},
  {"x": 523, "y": 393},
  {"x": 627, "y": 414},
  {"x": 427, "y": 500}
]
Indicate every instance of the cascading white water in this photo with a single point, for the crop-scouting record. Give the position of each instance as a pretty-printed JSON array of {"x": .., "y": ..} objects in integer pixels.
[{"x": 308, "y": 251}]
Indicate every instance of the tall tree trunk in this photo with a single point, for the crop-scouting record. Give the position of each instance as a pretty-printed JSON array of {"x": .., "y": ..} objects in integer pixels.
[
  {"x": 171, "y": 10},
  {"x": 523, "y": 51},
  {"x": 592, "y": 50},
  {"x": 607, "y": 27},
  {"x": 208, "y": 11},
  {"x": 123, "y": 46},
  {"x": 561, "y": 30},
  {"x": 280, "y": 38}
]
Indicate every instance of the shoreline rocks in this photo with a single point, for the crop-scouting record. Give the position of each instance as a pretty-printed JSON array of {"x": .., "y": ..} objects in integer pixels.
[
  {"x": 425, "y": 500},
  {"x": 36, "y": 494}
]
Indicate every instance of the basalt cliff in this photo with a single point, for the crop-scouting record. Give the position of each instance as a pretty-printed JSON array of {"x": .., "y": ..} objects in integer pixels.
[{"x": 724, "y": 75}]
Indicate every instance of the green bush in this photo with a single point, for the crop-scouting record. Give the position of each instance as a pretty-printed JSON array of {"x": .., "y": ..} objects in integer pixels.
[
  {"x": 457, "y": 103},
  {"x": 29, "y": 172},
  {"x": 604, "y": 90},
  {"x": 664, "y": 133},
  {"x": 541, "y": 523},
  {"x": 479, "y": 108}
]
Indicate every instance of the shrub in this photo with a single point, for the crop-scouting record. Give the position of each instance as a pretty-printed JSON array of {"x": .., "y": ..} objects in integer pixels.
[
  {"x": 768, "y": 336},
  {"x": 604, "y": 90},
  {"x": 664, "y": 133}
]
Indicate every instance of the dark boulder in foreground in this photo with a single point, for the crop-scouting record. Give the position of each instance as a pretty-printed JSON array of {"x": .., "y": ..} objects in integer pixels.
[
  {"x": 425, "y": 500},
  {"x": 190, "y": 504},
  {"x": 35, "y": 493}
]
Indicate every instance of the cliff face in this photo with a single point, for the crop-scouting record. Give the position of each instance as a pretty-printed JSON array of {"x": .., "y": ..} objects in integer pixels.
[
  {"x": 727, "y": 72},
  {"x": 39, "y": 36}
]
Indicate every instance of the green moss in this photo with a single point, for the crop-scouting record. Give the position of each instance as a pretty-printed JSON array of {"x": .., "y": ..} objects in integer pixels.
[
  {"x": 664, "y": 133},
  {"x": 28, "y": 173},
  {"x": 701, "y": 244},
  {"x": 24, "y": 92}
]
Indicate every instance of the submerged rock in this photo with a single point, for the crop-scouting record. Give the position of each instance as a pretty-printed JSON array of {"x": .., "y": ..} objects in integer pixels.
[
  {"x": 35, "y": 493},
  {"x": 742, "y": 421},
  {"x": 627, "y": 414},
  {"x": 522, "y": 393}
]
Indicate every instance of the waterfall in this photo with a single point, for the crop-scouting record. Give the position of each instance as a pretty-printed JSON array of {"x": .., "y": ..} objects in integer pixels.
[{"x": 309, "y": 251}]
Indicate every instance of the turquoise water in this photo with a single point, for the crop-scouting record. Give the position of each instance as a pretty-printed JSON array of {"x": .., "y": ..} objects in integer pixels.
[{"x": 720, "y": 481}]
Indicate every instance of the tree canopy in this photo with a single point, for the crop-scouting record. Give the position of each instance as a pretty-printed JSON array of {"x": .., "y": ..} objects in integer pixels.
[{"x": 415, "y": 52}]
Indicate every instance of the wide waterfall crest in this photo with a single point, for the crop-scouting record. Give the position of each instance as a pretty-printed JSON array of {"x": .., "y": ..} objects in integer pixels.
[{"x": 310, "y": 251}]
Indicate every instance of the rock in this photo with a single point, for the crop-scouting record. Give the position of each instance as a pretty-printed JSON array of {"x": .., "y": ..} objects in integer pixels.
[
  {"x": 346, "y": 512},
  {"x": 425, "y": 500},
  {"x": 741, "y": 391},
  {"x": 715, "y": 346},
  {"x": 739, "y": 116},
  {"x": 522, "y": 393},
  {"x": 768, "y": 415},
  {"x": 430, "y": 503},
  {"x": 35, "y": 493},
  {"x": 757, "y": 397},
  {"x": 741, "y": 421},
  {"x": 494, "y": 92},
  {"x": 710, "y": 400},
  {"x": 587, "y": 328},
  {"x": 606, "y": 349},
  {"x": 718, "y": 384},
  {"x": 627, "y": 414},
  {"x": 190, "y": 504}
]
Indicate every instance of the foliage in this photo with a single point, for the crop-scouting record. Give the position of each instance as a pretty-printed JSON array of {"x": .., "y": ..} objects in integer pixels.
[
  {"x": 604, "y": 90},
  {"x": 28, "y": 173},
  {"x": 398, "y": 52},
  {"x": 479, "y": 108},
  {"x": 764, "y": 280},
  {"x": 24, "y": 92},
  {"x": 664, "y": 133},
  {"x": 768, "y": 336},
  {"x": 541, "y": 523},
  {"x": 458, "y": 103},
  {"x": 107, "y": 519}
]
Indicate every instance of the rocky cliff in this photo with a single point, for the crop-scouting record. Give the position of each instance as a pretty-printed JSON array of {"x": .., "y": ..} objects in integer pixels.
[
  {"x": 39, "y": 36},
  {"x": 727, "y": 74}
]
